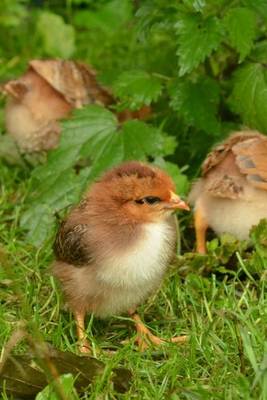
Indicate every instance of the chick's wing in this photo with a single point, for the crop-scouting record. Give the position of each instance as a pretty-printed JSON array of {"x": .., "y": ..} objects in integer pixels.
[
  {"x": 251, "y": 158},
  {"x": 242, "y": 155},
  {"x": 70, "y": 246}
]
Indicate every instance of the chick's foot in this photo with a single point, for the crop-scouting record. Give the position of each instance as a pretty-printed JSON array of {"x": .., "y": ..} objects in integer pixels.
[{"x": 145, "y": 337}]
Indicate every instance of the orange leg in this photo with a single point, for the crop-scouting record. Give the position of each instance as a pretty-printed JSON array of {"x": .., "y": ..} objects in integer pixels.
[
  {"x": 84, "y": 345},
  {"x": 145, "y": 337},
  {"x": 201, "y": 227}
]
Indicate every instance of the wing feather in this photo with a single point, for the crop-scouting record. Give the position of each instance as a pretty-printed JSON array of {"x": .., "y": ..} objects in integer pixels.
[
  {"x": 220, "y": 152},
  {"x": 251, "y": 158},
  {"x": 70, "y": 245}
]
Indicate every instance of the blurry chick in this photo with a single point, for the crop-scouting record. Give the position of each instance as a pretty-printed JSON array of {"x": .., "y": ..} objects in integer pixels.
[
  {"x": 231, "y": 196},
  {"x": 114, "y": 248},
  {"x": 45, "y": 93}
]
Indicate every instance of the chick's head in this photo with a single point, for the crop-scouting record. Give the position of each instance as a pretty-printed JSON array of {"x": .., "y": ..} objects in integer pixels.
[{"x": 135, "y": 192}]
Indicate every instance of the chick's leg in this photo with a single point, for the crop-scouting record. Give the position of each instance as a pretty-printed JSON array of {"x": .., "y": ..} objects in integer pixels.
[
  {"x": 84, "y": 345},
  {"x": 201, "y": 227},
  {"x": 145, "y": 337}
]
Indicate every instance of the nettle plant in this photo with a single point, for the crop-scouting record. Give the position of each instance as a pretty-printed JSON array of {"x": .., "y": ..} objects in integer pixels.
[{"x": 199, "y": 64}]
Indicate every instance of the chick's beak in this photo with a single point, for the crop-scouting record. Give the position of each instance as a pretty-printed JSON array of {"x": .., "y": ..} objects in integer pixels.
[{"x": 176, "y": 202}]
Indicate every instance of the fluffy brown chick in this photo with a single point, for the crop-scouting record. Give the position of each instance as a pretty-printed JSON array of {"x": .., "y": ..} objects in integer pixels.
[
  {"x": 114, "y": 248},
  {"x": 44, "y": 94},
  {"x": 231, "y": 196}
]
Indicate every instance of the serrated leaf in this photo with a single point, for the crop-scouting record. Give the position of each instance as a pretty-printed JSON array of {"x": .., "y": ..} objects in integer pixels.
[
  {"x": 142, "y": 140},
  {"x": 93, "y": 135},
  {"x": 249, "y": 96},
  {"x": 88, "y": 127},
  {"x": 197, "y": 103},
  {"x": 58, "y": 37},
  {"x": 241, "y": 24},
  {"x": 137, "y": 88},
  {"x": 37, "y": 220},
  {"x": 197, "y": 38}
]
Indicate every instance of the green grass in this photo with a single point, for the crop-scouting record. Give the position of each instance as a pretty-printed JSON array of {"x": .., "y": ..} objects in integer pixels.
[{"x": 225, "y": 317}]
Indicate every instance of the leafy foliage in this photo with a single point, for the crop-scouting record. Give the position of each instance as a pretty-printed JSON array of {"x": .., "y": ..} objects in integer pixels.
[
  {"x": 241, "y": 24},
  {"x": 197, "y": 38},
  {"x": 197, "y": 103},
  {"x": 58, "y": 37},
  {"x": 136, "y": 88},
  {"x": 249, "y": 95},
  {"x": 228, "y": 256},
  {"x": 108, "y": 18}
]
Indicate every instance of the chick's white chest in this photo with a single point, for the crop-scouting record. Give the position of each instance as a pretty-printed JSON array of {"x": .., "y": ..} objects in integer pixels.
[
  {"x": 142, "y": 262},
  {"x": 235, "y": 216},
  {"x": 130, "y": 276}
]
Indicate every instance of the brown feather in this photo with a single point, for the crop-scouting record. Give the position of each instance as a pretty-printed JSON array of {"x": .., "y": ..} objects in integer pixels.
[
  {"x": 70, "y": 245},
  {"x": 75, "y": 81},
  {"x": 243, "y": 154},
  {"x": 251, "y": 158},
  {"x": 218, "y": 154}
]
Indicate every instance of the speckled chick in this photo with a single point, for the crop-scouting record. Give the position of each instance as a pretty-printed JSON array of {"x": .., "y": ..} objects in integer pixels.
[
  {"x": 44, "y": 94},
  {"x": 231, "y": 195}
]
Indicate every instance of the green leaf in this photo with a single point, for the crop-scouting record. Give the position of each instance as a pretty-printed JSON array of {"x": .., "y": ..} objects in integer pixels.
[
  {"x": 137, "y": 88},
  {"x": 259, "y": 52},
  {"x": 258, "y": 236},
  {"x": 180, "y": 179},
  {"x": 12, "y": 14},
  {"x": 249, "y": 96},
  {"x": 241, "y": 25},
  {"x": 197, "y": 103},
  {"x": 108, "y": 17},
  {"x": 197, "y": 38},
  {"x": 93, "y": 136},
  {"x": 38, "y": 220},
  {"x": 66, "y": 382},
  {"x": 9, "y": 151},
  {"x": 260, "y": 6},
  {"x": 58, "y": 37}
]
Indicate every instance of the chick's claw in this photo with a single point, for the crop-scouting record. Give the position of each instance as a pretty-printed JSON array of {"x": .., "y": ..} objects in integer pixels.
[
  {"x": 145, "y": 337},
  {"x": 84, "y": 347}
]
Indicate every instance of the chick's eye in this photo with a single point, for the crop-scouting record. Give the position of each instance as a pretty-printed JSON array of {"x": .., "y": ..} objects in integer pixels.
[
  {"x": 148, "y": 200},
  {"x": 152, "y": 199}
]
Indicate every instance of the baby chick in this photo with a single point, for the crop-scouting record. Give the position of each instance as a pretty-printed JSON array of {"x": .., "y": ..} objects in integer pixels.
[
  {"x": 114, "y": 248},
  {"x": 44, "y": 94},
  {"x": 231, "y": 196}
]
